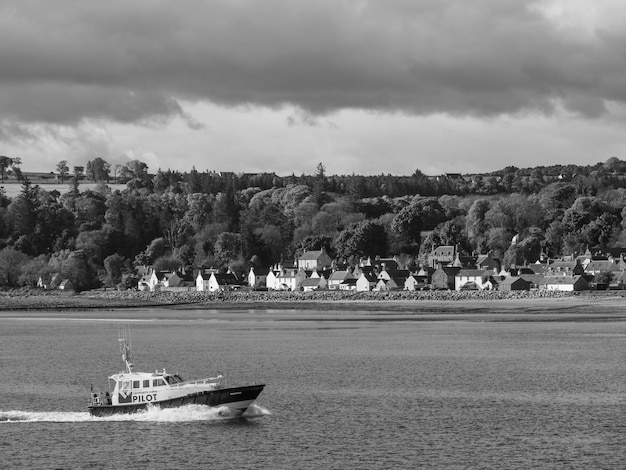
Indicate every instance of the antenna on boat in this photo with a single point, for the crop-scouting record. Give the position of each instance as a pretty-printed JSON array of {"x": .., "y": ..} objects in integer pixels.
[{"x": 126, "y": 348}]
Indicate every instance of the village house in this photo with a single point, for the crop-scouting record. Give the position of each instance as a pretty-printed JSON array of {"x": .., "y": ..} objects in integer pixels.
[
  {"x": 49, "y": 281},
  {"x": 315, "y": 260},
  {"x": 287, "y": 279},
  {"x": 348, "y": 284},
  {"x": 337, "y": 277},
  {"x": 598, "y": 266},
  {"x": 366, "y": 281},
  {"x": 564, "y": 268},
  {"x": 398, "y": 275},
  {"x": 444, "y": 277},
  {"x": 476, "y": 279},
  {"x": 442, "y": 255},
  {"x": 213, "y": 281},
  {"x": 387, "y": 285},
  {"x": 314, "y": 283},
  {"x": 488, "y": 263},
  {"x": 66, "y": 284},
  {"x": 535, "y": 280},
  {"x": 171, "y": 279},
  {"x": 154, "y": 279},
  {"x": 257, "y": 277},
  {"x": 565, "y": 283},
  {"x": 417, "y": 281},
  {"x": 512, "y": 283}
]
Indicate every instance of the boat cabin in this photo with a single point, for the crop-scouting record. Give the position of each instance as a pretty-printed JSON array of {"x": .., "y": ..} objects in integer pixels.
[{"x": 139, "y": 387}]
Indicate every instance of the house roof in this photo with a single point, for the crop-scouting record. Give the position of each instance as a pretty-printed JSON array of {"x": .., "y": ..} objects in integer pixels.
[
  {"x": 390, "y": 263},
  {"x": 561, "y": 280},
  {"x": 533, "y": 278},
  {"x": 340, "y": 275},
  {"x": 370, "y": 276},
  {"x": 443, "y": 250},
  {"x": 260, "y": 271},
  {"x": 472, "y": 272},
  {"x": 226, "y": 279},
  {"x": 563, "y": 264},
  {"x": 312, "y": 255},
  {"x": 513, "y": 279},
  {"x": 595, "y": 265}
]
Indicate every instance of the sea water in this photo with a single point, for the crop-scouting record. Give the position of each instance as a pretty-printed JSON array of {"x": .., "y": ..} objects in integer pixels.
[{"x": 342, "y": 391}]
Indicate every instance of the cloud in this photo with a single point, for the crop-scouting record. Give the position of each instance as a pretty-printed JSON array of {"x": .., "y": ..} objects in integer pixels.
[{"x": 136, "y": 61}]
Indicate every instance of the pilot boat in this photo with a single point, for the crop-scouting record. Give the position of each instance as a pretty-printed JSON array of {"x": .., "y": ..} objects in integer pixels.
[{"x": 132, "y": 392}]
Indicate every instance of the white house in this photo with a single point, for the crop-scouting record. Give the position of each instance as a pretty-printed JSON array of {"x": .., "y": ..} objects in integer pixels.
[
  {"x": 289, "y": 279},
  {"x": 315, "y": 260},
  {"x": 314, "y": 283},
  {"x": 366, "y": 282},
  {"x": 202, "y": 281},
  {"x": 566, "y": 283},
  {"x": 472, "y": 279},
  {"x": 223, "y": 281},
  {"x": 257, "y": 277}
]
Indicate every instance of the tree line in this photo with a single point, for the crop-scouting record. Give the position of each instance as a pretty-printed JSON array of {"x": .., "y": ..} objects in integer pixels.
[{"x": 175, "y": 220}]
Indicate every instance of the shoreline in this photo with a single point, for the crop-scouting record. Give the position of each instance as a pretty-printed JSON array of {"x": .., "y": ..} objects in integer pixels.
[{"x": 589, "y": 303}]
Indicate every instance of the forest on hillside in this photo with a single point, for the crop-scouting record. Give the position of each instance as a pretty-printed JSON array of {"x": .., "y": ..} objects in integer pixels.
[{"x": 175, "y": 220}]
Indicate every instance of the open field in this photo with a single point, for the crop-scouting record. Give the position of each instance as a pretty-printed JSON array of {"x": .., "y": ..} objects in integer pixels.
[{"x": 13, "y": 189}]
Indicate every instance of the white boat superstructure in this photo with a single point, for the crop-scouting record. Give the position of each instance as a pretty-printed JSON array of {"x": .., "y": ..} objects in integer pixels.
[{"x": 131, "y": 391}]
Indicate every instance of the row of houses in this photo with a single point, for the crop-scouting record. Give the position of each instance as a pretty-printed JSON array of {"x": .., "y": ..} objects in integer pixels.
[{"x": 315, "y": 270}]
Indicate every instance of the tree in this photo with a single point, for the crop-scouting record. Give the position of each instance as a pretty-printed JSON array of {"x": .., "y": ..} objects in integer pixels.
[
  {"x": 319, "y": 185},
  {"x": 420, "y": 214},
  {"x": 116, "y": 169},
  {"x": 114, "y": 267},
  {"x": 11, "y": 263},
  {"x": 366, "y": 238},
  {"x": 23, "y": 209},
  {"x": 228, "y": 247},
  {"x": 167, "y": 263},
  {"x": 134, "y": 170},
  {"x": 8, "y": 162},
  {"x": 604, "y": 277},
  {"x": 78, "y": 270},
  {"x": 98, "y": 169},
  {"x": 63, "y": 169}
]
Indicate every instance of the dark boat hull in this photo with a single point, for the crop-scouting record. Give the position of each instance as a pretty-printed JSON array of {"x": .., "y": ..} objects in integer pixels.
[{"x": 236, "y": 399}]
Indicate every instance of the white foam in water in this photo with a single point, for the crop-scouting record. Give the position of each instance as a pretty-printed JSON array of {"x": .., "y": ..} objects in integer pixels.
[{"x": 181, "y": 414}]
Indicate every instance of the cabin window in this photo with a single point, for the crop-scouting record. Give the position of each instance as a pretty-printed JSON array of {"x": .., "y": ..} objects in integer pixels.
[
  {"x": 158, "y": 383},
  {"x": 146, "y": 383},
  {"x": 135, "y": 383}
]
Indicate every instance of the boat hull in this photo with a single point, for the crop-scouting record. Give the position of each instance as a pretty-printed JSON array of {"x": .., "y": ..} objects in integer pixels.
[{"x": 235, "y": 401}]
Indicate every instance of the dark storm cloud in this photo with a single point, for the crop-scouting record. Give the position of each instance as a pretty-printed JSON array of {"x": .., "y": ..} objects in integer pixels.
[{"x": 127, "y": 61}]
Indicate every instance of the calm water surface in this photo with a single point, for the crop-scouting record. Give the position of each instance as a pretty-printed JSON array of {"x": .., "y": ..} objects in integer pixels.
[{"x": 340, "y": 394}]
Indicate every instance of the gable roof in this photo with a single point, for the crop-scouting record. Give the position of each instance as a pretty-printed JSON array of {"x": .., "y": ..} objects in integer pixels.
[
  {"x": 606, "y": 265},
  {"x": 443, "y": 250},
  {"x": 510, "y": 280},
  {"x": 340, "y": 275},
  {"x": 313, "y": 255},
  {"x": 562, "y": 280}
]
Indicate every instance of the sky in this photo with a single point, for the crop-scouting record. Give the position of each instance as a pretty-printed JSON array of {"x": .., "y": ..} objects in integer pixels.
[{"x": 364, "y": 87}]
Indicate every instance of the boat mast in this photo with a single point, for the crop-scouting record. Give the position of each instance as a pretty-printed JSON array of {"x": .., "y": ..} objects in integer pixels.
[{"x": 125, "y": 349}]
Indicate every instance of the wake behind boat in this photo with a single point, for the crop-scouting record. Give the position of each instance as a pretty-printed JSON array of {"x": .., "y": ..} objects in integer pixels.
[{"x": 131, "y": 392}]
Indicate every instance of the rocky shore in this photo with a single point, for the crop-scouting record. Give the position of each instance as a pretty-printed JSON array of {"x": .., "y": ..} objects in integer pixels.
[{"x": 399, "y": 301}]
